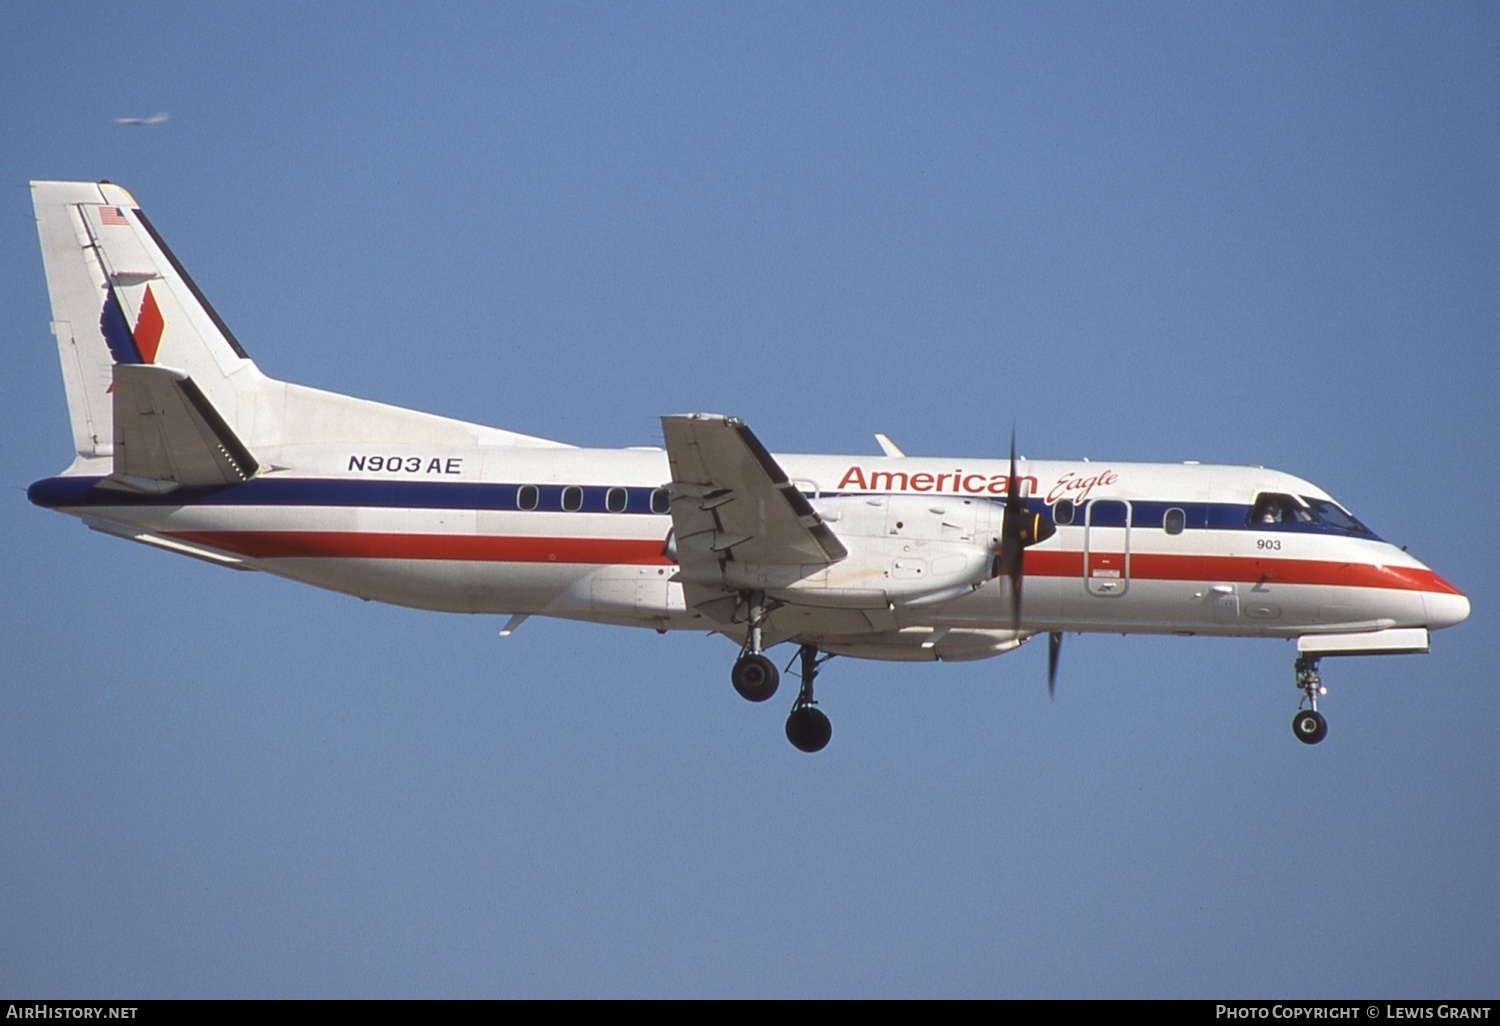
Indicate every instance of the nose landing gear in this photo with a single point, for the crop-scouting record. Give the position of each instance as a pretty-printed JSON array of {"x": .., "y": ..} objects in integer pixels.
[{"x": 1308, "y": 725}]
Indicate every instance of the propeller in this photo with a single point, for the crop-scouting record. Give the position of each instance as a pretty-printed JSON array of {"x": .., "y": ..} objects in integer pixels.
[
  {"x": 1054, "y": 656},
  {"x": 1020, "y": 528}
]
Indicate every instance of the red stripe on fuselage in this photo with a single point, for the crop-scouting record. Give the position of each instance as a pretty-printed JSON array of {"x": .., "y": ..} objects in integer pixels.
[
  {"x": 1155, "y": 566},
  {"x": 636, "y": 551}
]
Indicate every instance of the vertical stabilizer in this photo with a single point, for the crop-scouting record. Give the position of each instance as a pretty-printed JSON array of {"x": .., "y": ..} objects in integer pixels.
[
  {"x": 121, "y": 300},
  {"x": 119, "y": 296}
]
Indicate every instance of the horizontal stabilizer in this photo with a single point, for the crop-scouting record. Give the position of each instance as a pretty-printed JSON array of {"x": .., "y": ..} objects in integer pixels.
[{"x": 167, "y": 434}]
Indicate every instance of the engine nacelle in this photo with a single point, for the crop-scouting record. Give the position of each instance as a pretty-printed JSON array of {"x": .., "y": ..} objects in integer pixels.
[{"x": 903, "y": 550}]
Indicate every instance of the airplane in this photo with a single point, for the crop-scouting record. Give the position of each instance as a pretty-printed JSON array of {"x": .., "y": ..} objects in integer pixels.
[
  {"x": 159, "y": 118},
  {"x": 184, "y": 444}
]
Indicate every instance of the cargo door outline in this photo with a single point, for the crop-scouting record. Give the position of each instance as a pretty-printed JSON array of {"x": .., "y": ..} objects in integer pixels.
[{"x": 1106, "y": 548}]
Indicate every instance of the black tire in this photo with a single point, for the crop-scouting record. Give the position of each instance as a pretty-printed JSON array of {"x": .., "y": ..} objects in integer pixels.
[
  {"x": 808, "y": 729},
  {"x": 755, "y": 677},
  {"x": 1309, "y": 726}
]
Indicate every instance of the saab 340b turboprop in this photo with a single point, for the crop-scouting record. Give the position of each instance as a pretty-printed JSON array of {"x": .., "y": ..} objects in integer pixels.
[{"x": 182, "y": 443}]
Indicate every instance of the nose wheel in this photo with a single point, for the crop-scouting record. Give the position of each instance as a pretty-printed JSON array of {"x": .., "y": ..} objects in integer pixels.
[{"x": 1308, "y": 725}]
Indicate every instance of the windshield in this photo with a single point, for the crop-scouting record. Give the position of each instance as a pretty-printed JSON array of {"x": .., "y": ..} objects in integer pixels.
[
  {"x": 1334, "y": 515},
  {"x": 1271, "y": 508},
  {"x": 1280, "y": 511}
]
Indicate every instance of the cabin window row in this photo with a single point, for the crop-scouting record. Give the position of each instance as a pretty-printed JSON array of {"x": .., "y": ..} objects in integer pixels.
[{"x": 571, "y": 499}]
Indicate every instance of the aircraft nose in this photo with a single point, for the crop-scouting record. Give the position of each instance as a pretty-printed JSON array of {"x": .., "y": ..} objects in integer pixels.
[{"x": 1445, "y": 608}]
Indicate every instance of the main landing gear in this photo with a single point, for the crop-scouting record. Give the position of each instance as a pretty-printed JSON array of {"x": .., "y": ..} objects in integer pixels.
[
  {"x": 754, "y": 675},
  {"x": 807, "y": 728},
  {"x": 1309, "y": 724},
  {"x": 756, "y": 678}
]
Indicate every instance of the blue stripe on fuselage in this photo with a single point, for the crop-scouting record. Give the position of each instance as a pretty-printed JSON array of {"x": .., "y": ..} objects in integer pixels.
[
  {"x": 83, "y": 492},
  {"x": 55, "y": 492}
]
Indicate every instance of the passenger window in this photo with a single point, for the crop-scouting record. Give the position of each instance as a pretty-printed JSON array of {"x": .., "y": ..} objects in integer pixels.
[
  {"x": 660, "y": 501},
  {"x": 526, "y": 497},
  {"x": 1062, "y": 512},
  {"x": 1174, "y": 521},
  {"x": 614, "y": 500},
  {"x": 572, "y": 499}
]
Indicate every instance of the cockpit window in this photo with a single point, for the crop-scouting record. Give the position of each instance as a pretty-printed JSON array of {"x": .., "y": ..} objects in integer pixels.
[
  {"x": 1274, "y": 508},
  {"x": 1334, "y": 515},
  {"x": 1280, "y": 509}
]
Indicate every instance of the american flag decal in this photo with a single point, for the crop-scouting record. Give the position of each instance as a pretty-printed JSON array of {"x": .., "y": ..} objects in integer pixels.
[{"x": 113, "y": 215}]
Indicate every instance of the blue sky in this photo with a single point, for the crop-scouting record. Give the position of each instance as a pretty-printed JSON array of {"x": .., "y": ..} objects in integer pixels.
[{"x": 1262, "y": 234}]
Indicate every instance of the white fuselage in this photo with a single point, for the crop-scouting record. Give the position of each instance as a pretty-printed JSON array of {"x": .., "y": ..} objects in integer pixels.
[{"x": 582, "y": 533}]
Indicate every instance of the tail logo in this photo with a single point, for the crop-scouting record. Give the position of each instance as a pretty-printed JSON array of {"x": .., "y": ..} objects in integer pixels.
[{"x": 127, "y": 345}]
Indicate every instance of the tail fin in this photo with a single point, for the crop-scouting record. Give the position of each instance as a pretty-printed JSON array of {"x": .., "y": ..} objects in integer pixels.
[
  {"x": 119, "y": 296},
  {"x": 121, "y": 303}
]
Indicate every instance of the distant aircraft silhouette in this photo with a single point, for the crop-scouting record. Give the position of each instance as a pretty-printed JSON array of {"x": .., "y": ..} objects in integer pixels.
[{"x": 155, "y": 119}]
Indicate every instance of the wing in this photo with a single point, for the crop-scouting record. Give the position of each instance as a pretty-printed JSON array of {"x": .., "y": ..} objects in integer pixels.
[{"x": 733, "y": 510}]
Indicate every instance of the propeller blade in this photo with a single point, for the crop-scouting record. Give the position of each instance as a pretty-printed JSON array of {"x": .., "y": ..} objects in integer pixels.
[
  {"x": 1054, "y": 656},
  {"x": 1012, "y": 549},
  {"x": 1019, "y": 529}
]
